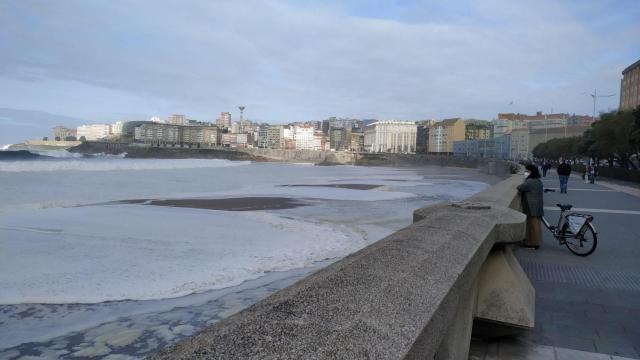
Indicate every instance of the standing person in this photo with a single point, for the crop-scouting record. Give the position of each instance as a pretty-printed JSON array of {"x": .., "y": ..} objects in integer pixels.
[
  {"x": 592, "y": 173},
  {"x": 545, "y": 168},
  {"x": 564, "y": 171},
  {"x": 532, "y": 205}
]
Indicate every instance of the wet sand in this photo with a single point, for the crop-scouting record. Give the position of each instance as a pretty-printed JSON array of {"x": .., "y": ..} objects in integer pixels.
[
  {"x": 252, "y": 203},
  {"x": 231, "y": 204},
  {"x": 340, "y": 186}
]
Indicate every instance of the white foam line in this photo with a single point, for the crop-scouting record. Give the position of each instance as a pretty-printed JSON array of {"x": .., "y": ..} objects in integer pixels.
[{"x": 610, "y": 211}]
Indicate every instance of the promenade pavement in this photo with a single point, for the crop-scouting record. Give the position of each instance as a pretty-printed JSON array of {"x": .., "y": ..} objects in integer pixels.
[{"x": 586, "y": 307}]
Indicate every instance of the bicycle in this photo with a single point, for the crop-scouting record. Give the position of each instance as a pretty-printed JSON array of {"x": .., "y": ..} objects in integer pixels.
[{"x": 574, "y": 230}]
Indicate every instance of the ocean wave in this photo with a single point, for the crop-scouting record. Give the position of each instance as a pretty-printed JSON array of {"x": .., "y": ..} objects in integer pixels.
[
  {"x": 113, "y": 164},
  {"x": 60, "y": 154}
]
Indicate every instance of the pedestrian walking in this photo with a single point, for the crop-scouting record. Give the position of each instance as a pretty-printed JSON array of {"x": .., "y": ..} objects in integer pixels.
[
  {"x": 532, "y": 205},
  {"x": 545, "y": 168},
  {"x": 592, "y": 174},
  {"x": 564, "y": 171}
]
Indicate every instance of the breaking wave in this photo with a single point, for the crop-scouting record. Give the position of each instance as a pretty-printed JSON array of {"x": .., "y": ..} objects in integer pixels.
[{"x": 112, "y": 163}]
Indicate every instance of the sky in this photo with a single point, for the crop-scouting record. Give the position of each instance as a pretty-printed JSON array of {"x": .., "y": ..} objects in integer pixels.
[{"x": 285, "y": 60}]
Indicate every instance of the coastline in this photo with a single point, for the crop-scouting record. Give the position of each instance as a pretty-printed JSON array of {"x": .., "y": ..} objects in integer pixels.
[
  {"x": 491, "y": 166},
  {"x": 146, "y": 330}
]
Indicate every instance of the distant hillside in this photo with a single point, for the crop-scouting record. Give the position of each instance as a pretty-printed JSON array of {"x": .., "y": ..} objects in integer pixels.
[{"x": 19, "y": 125}]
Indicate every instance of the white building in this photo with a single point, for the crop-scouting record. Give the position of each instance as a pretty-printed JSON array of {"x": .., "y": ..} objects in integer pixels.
[
  {"x": 177, "y": 119},
  {"x": 224, "y": 121},
  {"x": 520, "y": 144},
  {"x": 391, "y": 136},
  {"x": 116, "y": 128},
  {"x": 287, "y": 132},
  {"x": 93, "y": 132},
  {"x": 304, "y": 137}
]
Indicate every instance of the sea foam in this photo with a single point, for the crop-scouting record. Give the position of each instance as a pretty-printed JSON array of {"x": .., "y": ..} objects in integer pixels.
[{"x": 113, "y": 164}]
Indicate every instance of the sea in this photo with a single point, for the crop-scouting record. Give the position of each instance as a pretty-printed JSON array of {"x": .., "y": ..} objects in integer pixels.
[{"x": 97, "y": 260}]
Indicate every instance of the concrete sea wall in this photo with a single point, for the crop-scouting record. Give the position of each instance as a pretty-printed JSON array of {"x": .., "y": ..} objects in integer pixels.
[{"x": 412, "y": 295}]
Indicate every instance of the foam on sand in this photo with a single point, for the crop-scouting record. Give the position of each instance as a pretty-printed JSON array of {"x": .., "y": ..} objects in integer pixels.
[
  {"x": 114, "y": 163},
  {"x": 96, "y": 254}
]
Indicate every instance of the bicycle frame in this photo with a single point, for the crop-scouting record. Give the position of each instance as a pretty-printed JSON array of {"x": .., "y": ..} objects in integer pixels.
[{"x": 562, "y": 219}]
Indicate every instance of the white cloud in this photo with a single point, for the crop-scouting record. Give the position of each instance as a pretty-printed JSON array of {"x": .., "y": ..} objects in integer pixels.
[{"x": 288, "y": 62}]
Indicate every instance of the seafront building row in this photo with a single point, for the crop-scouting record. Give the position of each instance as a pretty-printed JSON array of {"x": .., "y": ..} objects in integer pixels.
[{"x": 510, "y": 135}]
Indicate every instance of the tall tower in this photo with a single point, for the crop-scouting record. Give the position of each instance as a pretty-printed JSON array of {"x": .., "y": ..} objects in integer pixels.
[{"x": 241, "y": 108}]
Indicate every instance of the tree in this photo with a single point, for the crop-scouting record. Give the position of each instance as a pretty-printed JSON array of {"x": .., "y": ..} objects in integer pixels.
[
  {"x": 57, "y": 138},
  {"x": 635, "y": 131},
  {"x": 615, "y": 137},
  {"x": 83, "y": 139},
  {"x": 612, "y": 137},
  {"x": 559, "y": 148},
  {"x": 45, "y": 139},
  {"x": 70, "y": 138}
]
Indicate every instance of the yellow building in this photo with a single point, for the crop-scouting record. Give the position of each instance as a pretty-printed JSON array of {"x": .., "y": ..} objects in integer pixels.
[{"x": 442, "y": 135}]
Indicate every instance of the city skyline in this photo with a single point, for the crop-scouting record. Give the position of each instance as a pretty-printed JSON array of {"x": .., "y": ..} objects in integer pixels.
[{"x": 307, "y": 61}]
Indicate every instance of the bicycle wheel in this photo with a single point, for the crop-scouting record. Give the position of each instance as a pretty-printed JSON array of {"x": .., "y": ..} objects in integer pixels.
[{"x": 583, "y": 244}]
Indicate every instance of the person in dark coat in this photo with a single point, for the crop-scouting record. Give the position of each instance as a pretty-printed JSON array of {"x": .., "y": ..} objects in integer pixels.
[
  {"x": 532, "y": 205},
  {"x": 564, "y": 171},
  {"x": 545, "y": 167}
]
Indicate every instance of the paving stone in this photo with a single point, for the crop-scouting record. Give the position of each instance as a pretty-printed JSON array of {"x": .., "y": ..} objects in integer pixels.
[
  {"x": 620, "y": 347},
  {"x": 511, "y": 349},
  {"x": 575, "y": 342},
  {"x": 608, "y": 330},
  {"x": 570, "y": 354},
  {"x": 562, "y": 330}
]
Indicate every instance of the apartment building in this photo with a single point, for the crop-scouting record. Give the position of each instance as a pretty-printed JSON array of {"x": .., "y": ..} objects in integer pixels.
[
  {"x": 275, "y": 137},
  {"x": 485, "y": 148},
  {"x": 339, "y": 138},
  {"x": 507, "y": 122},
  {"x": 630, "y": 87},
  {"x": 61, "y": 133},
  {"x": 443, "y": 134},
  {"x": 224, "y": 121},
  {"x": 166, "y": 134},
  {"x": 390, "y": 136},
  {"x": 177, "y": 119},
  {"x": 93, "y": 132},
  {"x": 357, "y": 142},
  {"x": 478, "y": 129},
  {"x": 303, "y": 135}
]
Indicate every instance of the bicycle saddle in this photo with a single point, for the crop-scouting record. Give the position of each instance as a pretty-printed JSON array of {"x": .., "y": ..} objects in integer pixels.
[{"x": 564, "y": 207}]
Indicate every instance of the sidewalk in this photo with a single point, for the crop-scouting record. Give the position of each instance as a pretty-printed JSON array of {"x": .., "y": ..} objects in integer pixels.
[{"x": 588, "y": 304}]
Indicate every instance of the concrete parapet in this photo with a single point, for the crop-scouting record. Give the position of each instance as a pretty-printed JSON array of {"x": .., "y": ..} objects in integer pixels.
[{"x": 411, "y": 295}]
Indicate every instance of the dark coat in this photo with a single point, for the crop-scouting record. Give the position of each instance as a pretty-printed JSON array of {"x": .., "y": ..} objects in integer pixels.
[
  {"x": 564, "y": 169},
  {"x": 531, "y": 191}
]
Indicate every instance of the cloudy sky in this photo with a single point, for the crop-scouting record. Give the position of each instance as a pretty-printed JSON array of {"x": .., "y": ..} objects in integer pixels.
[{"x": 106, "y": 60}]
